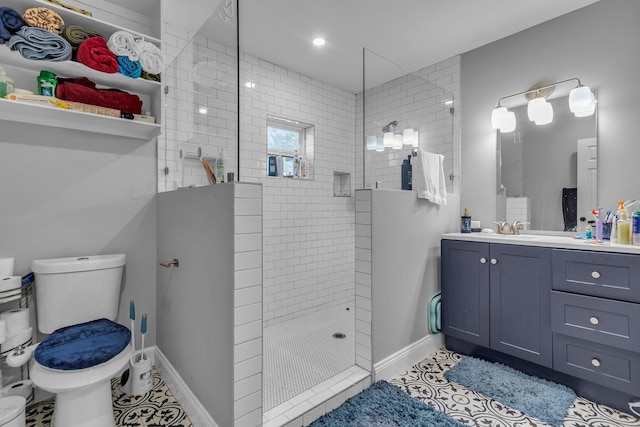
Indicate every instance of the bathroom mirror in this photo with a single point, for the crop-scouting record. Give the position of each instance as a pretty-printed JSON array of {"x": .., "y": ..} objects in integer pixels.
[{"x": 548, "y": 172}]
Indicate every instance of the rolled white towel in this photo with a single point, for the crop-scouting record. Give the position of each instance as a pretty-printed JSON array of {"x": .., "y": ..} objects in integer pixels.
[
  {"x": 150, "y": 56},
  {"x": 123, "y": 43}
]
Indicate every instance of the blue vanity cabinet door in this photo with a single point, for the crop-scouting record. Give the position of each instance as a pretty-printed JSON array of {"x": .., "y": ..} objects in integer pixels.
[
  {"x": 520, "y": 302},
  {"x": 465, "y": 291}
]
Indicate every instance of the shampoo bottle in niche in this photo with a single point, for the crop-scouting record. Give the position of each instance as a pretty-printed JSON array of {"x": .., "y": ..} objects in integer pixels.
[{"x": 465, "y": 222}]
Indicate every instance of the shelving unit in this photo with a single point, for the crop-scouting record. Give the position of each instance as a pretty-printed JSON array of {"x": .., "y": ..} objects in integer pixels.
[
  {"x": 23, "y": 302},
  {"x": 25, "y": 72}
]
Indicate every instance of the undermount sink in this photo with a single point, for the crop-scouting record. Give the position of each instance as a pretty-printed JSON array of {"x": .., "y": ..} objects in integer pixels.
[{"x": 511, "y": 236}]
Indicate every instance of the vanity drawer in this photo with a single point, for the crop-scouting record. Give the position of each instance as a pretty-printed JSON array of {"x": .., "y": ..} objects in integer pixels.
[
  {"x": 600, "y": 364},
  {"x": 603, "y": 274},
  {"x": 605, "y": 321}
]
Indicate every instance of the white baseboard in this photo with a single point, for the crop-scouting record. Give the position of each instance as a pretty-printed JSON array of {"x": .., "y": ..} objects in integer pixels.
[
  {"x": 190, "y": 403},
  {"x": 404, "y": 359}
]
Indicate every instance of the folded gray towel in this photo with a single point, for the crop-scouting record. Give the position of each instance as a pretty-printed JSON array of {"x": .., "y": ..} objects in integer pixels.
[{"x": 36, "y": 43}]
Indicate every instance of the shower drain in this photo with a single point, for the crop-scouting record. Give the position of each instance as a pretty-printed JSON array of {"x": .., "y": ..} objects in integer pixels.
[{"x": 339, "y": 335}]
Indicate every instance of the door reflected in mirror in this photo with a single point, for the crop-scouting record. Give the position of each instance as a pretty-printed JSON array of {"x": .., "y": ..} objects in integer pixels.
[{"x": 547, "y": 175}]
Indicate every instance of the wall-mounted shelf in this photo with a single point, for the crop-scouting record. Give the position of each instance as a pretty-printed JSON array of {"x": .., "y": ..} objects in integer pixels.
[
  {"x": 33, "y": 114},
  {"x": 341, "y": 184},
  {"x": 76, "y": 69}
]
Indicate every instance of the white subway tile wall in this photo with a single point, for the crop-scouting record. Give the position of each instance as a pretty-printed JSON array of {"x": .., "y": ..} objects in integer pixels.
[
  {"x": 418, "y": 101},
  {"x": 364, "y": 354},
  {"x": 308, "y": 233},
  {"x": 248, "y": 305},
  {"x": 519, "y": 209}
]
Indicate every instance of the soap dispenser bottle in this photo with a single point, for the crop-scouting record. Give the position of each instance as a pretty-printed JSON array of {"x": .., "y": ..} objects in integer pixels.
[
  {"x": 623, "y": 228},
  {"x": 465, "y": 222},
  {"x": 406, "y": 174}
]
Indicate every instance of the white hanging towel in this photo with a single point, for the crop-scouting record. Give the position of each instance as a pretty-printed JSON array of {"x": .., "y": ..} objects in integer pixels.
[{"x": 428, "y": 177}]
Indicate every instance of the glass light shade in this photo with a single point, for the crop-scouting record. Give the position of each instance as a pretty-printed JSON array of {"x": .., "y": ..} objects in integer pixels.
[
  {"x": 416, "y": 139},
  {"x": 498, "y": 116},
  {"x": 371, "y": 142},
  {"x": 546, "y": 114},
  {"x": 407, "y": 136},
  {"x": 379, "y": 145},
  {"x": 397, "y": 142},
  {"x": 582, "y": 103},
  {"x": 535, "y": 108},
  {"x": 509, "y": 122},
  {"x": 387, "y": 140}
]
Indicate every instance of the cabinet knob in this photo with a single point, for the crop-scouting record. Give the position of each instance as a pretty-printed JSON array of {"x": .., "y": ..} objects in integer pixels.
[
  {"x": 595, "y": 362},
  {"x": 595, "y": 275},
  {"x": 594, "y": 320},
  {"x": 494, "y": 261},
  {"x": 483, "y": 260}
]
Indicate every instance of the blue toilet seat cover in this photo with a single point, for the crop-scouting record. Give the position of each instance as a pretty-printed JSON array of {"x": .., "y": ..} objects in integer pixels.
[{"x": 83, "y": 346}]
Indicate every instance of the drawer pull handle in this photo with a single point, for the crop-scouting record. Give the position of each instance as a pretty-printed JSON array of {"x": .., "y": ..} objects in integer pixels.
[
  {"x": 595, "y": 275},
  {"x": 595, "y": 362},
  {"x": 483, "y": 260},
  {"x": 494, "y": 261},
  {"x": 594, "y": 320}
]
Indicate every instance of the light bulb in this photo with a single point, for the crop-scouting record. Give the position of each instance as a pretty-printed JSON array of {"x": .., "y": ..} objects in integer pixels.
[
  {"x": 407, "y": 136},
  {"x": 545, "y": 116},
  {"x": 397, "y": 142},
  {"x": 416, "y": 139},
  {"x": 582, "y": 103},
  {"x": 387, "y": 140},
  {"x": 508, "y": 122},
  {"x": 498, "y": 115},
  {"x": 371, "y": 142}
]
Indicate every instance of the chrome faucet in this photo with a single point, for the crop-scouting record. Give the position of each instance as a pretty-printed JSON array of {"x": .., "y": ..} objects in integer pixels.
[{"x": 505, "y": 228}]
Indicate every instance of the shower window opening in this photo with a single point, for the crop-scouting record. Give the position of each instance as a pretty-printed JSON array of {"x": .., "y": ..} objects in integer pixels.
[{"x": 289, "y": 145}]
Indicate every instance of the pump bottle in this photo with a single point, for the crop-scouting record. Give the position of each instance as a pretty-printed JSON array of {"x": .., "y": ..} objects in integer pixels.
[{"x": 623, "y": 228}]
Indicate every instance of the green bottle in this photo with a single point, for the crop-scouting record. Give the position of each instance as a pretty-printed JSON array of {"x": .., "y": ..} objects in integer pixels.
[{"x": 47, "y": 83}]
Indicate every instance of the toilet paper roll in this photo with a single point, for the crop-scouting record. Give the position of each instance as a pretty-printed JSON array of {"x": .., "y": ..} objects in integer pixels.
[
  {"x": 6, "y": 266},
  {"x": 21, "y": 388},
  {"x": 16, "y": 339},
  {"x": 17, "y": 320},
  {"x": 9, "y": 287}
]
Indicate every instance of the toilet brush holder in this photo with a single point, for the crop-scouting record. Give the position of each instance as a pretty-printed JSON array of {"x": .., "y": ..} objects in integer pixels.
[{"x": 138, "y": 379}]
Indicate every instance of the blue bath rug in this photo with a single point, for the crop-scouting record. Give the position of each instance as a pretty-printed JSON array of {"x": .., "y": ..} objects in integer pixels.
[
  {"x": 385, "y": 405},
  {"x": 533, "y": 396}
]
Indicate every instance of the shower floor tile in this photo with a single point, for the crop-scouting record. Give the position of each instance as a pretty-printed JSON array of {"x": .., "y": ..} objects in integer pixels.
[
  {"x": 157, "y": 408},
  {"x": 301, "y": 354}
]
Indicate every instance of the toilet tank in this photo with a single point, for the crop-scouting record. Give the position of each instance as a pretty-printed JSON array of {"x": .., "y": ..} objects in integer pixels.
[{"x": 77, "y": 290}]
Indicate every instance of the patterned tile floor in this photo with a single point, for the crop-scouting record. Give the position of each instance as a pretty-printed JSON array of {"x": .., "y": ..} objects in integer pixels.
[
  {"x": 157, "y": 408},
  {"x": 427, "y": 382}
]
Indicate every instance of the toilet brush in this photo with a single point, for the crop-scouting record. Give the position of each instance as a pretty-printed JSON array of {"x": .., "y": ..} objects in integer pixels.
[
  {"x": 132, "y": 316},
  {"x": 143, "y": 330}
]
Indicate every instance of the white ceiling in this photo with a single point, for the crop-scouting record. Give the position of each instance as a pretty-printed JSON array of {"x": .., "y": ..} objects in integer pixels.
[{"x": 409, "y": 34}]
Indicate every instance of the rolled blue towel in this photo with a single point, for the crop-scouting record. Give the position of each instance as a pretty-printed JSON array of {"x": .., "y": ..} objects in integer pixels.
[
  {"x": 36, "y": 43},
  {"x": 10, "y": 22},
  {"x": 128, "y": 67}
]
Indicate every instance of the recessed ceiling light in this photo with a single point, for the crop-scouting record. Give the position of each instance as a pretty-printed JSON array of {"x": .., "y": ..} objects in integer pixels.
[{"x": 319, "y": 41}]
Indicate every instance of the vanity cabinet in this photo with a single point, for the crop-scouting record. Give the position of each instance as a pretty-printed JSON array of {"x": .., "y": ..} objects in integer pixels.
[
  {"x": 498, "y": 296},
  {"x": 596, "y": 317}
]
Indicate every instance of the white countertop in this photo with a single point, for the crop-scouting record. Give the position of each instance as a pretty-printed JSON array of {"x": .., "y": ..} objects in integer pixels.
[{"x": 565, "y": 241}]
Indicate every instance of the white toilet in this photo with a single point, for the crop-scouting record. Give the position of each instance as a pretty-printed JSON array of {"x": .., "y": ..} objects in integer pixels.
[{"x": 77, "y": 302}]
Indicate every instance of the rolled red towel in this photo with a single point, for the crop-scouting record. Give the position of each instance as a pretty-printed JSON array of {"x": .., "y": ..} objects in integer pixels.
[
  {"x": 93, "y": 53},
  {"x": 83, "y": 90}
]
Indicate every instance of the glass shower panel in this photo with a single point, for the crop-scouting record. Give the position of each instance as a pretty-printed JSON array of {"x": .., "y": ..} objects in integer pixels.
[
  {"x": 200, "y": 95},
  {"x": 396, "y": 103}
]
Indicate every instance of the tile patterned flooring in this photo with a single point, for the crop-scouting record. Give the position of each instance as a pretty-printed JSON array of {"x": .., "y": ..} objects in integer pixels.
[
  {"x": 157, "y": 408},
  {"x": 426, "y": 382}
]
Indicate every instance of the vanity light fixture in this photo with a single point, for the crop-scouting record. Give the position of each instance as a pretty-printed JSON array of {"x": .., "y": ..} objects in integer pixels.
[
  {"x": 407, "y": 136},
  {"x": 390, "y": 139},
  {"x": 582, "y": 103}
]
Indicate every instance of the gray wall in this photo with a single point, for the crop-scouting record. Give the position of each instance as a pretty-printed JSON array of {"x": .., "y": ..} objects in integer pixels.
[
  {"x": 405, "y": 262},
  {"x": 599, "y": 45},
  {"x": 69, "y": 193},
  {"x": 196, "y": 301}
]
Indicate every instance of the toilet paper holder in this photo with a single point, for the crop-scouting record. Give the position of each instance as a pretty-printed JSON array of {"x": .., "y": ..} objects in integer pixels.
[{"x": 168, "y": 264}]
